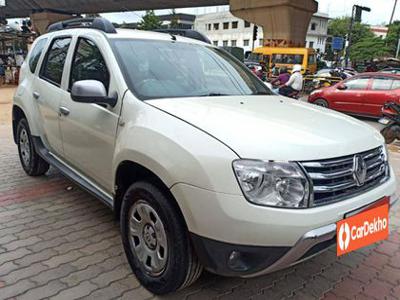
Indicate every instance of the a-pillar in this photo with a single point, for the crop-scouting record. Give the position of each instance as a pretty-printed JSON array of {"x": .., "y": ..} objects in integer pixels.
[
  {"x": 41, "y": 20},
  {"x": 284, "y": 22}
]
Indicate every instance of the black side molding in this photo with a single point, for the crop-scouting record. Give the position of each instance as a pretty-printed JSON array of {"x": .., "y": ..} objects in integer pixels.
[{"x": 69, "y": 173}]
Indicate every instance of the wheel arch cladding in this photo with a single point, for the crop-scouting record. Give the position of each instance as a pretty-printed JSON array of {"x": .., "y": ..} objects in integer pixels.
[
  {"x": 17, "y": 115},
  {"x": 129, "y": 172}
]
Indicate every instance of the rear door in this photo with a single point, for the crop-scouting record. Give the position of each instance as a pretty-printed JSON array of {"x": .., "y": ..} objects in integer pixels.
[
  {"x": 48, "y": 92},
  {"x": 351, "y": 99},
  {"x": 383, "y": 89}
]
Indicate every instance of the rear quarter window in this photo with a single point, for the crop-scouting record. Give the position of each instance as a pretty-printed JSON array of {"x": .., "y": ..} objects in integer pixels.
[{"x": 35, "y": 54}]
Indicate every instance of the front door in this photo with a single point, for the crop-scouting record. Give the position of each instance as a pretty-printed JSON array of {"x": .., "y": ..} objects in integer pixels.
[
  {"x": 48, "y": 92},
  {"x": 89, "y": 130}
]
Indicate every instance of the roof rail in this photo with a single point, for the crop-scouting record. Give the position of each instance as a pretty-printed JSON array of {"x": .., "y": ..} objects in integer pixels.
[
  {"x": 94, "y": 23},
  {"x": 189, "y": 33}
]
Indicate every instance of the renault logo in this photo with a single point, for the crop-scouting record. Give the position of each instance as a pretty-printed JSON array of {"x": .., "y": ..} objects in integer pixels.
[{"x": 359, "y": 170}]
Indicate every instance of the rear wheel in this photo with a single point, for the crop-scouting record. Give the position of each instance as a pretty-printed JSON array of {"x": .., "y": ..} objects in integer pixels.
[
  {"x": 156, "y": 240},
  {"x": 31, "y": 162},
  {"x": 321, "y": 102}
]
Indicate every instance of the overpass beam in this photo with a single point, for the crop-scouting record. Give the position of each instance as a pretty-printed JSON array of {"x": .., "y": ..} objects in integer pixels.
[
  {"x": 284, "y": 22},
  {"x": 41, "y": 20}
]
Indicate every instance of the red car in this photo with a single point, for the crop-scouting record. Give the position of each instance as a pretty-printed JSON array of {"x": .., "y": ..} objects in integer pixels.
[{"x": 364, "y": 94}]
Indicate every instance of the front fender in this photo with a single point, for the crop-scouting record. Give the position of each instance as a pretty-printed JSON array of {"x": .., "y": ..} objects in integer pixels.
[{"x": 174, "y": 150}]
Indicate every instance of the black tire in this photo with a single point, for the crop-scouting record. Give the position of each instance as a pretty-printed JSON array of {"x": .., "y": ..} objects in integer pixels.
[
  {"x": 388, "y": 134},
  {"x": 182, "y": 267},
  {"x": 322, "y": 103},
  {"x": 31, "y": 162}
]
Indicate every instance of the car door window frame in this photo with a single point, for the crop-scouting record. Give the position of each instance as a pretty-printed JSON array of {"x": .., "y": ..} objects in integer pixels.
[
  {"x": 379, "y": 78},
  {"x": 76, "y": 47},
  {"x": 44, "y": 61},
  {"x": 368, "y": 78},
  {"x": 43, "y": 49}
]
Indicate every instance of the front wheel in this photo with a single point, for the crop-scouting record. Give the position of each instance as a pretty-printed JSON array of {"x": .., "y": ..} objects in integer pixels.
[
  {"x": 156, "y": 240},
  {"x": 322, "y": 103}
]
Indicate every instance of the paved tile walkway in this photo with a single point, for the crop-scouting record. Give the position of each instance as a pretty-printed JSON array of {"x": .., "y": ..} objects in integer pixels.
[{"x": 58, "y": 242}]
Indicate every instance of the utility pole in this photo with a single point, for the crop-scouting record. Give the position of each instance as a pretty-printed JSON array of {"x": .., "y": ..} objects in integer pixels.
[
  {"x": 355, "y": 17},
  {"x": 393, "y": 11},
  {"x": 349, "y": 36}
]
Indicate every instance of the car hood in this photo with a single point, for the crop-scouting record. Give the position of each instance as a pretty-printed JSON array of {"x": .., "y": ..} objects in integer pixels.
[{"x": 274, "y": 127}]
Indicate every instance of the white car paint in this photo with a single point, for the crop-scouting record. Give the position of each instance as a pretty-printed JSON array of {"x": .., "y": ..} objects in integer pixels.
[
  {"x": 190, "y": 144},
  {"x": 274, "y": 127}
]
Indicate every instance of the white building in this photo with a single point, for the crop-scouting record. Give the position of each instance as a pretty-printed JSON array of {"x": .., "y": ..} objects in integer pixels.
[
  {"x": 224, "y": 29},
  {"x": 380, "y": 31}
]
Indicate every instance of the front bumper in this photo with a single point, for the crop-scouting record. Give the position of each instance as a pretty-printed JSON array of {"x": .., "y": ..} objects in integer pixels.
[
  {"x": 266, "y": 239},
  {"x": 251, "y": 261},
  {"x": 231, "y": 219}
]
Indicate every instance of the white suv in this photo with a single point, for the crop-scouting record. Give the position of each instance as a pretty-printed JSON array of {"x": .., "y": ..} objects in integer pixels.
[{"x": 203, "y": 165}]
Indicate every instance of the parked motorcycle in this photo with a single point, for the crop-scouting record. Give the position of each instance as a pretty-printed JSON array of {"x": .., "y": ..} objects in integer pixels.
[{"x": 391, "y": 120}]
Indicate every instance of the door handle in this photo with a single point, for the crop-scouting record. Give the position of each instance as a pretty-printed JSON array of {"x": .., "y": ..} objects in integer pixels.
[
  {"x": 36, "y": 95},
  {"x": 64, "y": 111}
]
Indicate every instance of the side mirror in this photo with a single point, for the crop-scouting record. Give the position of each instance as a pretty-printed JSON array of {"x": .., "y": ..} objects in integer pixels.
[
  {"x": 341, "y": 86},
  {"x": 92, "y": 91}
]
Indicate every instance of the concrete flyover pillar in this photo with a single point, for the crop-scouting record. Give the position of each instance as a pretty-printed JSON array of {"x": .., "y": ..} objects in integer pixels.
[
  {"x": 285, "y": 22},
  {"x": 41, "y": 20}
]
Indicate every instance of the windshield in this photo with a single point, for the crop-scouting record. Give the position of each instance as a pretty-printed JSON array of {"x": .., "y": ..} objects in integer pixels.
[{"x": 167, "y": 69}]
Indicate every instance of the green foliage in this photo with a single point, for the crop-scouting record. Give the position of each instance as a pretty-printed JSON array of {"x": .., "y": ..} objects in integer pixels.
[
  {"x": 339, "y": 27},
  {"x": 150, "y": 21},
  {"x": 392, "y": 37},
  {"x": 368, "y": 48}
]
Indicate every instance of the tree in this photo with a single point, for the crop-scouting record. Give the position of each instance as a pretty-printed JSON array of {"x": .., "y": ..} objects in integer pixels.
[
  {"x": 393, "y": 37},
  {"x": 339, "y": 27},
  {"x": 174, "y": 20},
  {"x": 368, "y": 48},
  {"x": 150, "y": 21}
]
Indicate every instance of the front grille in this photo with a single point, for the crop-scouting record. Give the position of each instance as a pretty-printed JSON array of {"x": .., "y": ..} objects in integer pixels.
[{"x": 333, "y": 180}]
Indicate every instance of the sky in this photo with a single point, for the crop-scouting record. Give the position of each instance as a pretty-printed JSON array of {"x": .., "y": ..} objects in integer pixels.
[{"x": 380, "y": 10}]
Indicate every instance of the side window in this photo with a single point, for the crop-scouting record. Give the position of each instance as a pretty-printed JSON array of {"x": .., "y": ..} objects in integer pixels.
[
  {"x": 396, "y": 84},
  {"x": 88, "y": 63},
  {"x": 311, "y": 59},
  {"x": 357, "y": 84},
  {"x": 53, "y": 65},
  {"x": 35, "y": 54},
  {"x": 382, "y": 83}
]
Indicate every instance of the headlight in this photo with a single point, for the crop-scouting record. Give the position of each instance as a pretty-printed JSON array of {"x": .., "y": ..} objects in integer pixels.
[{"x": 280, "y": 184}]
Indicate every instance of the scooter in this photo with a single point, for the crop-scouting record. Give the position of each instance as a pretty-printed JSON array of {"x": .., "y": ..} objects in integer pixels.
[{"x": 391, "y": 120}]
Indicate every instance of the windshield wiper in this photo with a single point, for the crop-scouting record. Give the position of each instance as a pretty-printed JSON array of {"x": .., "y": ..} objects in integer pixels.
[
  {"x": 214, "y": 95},
  {"x": 262, "y": 93}
]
